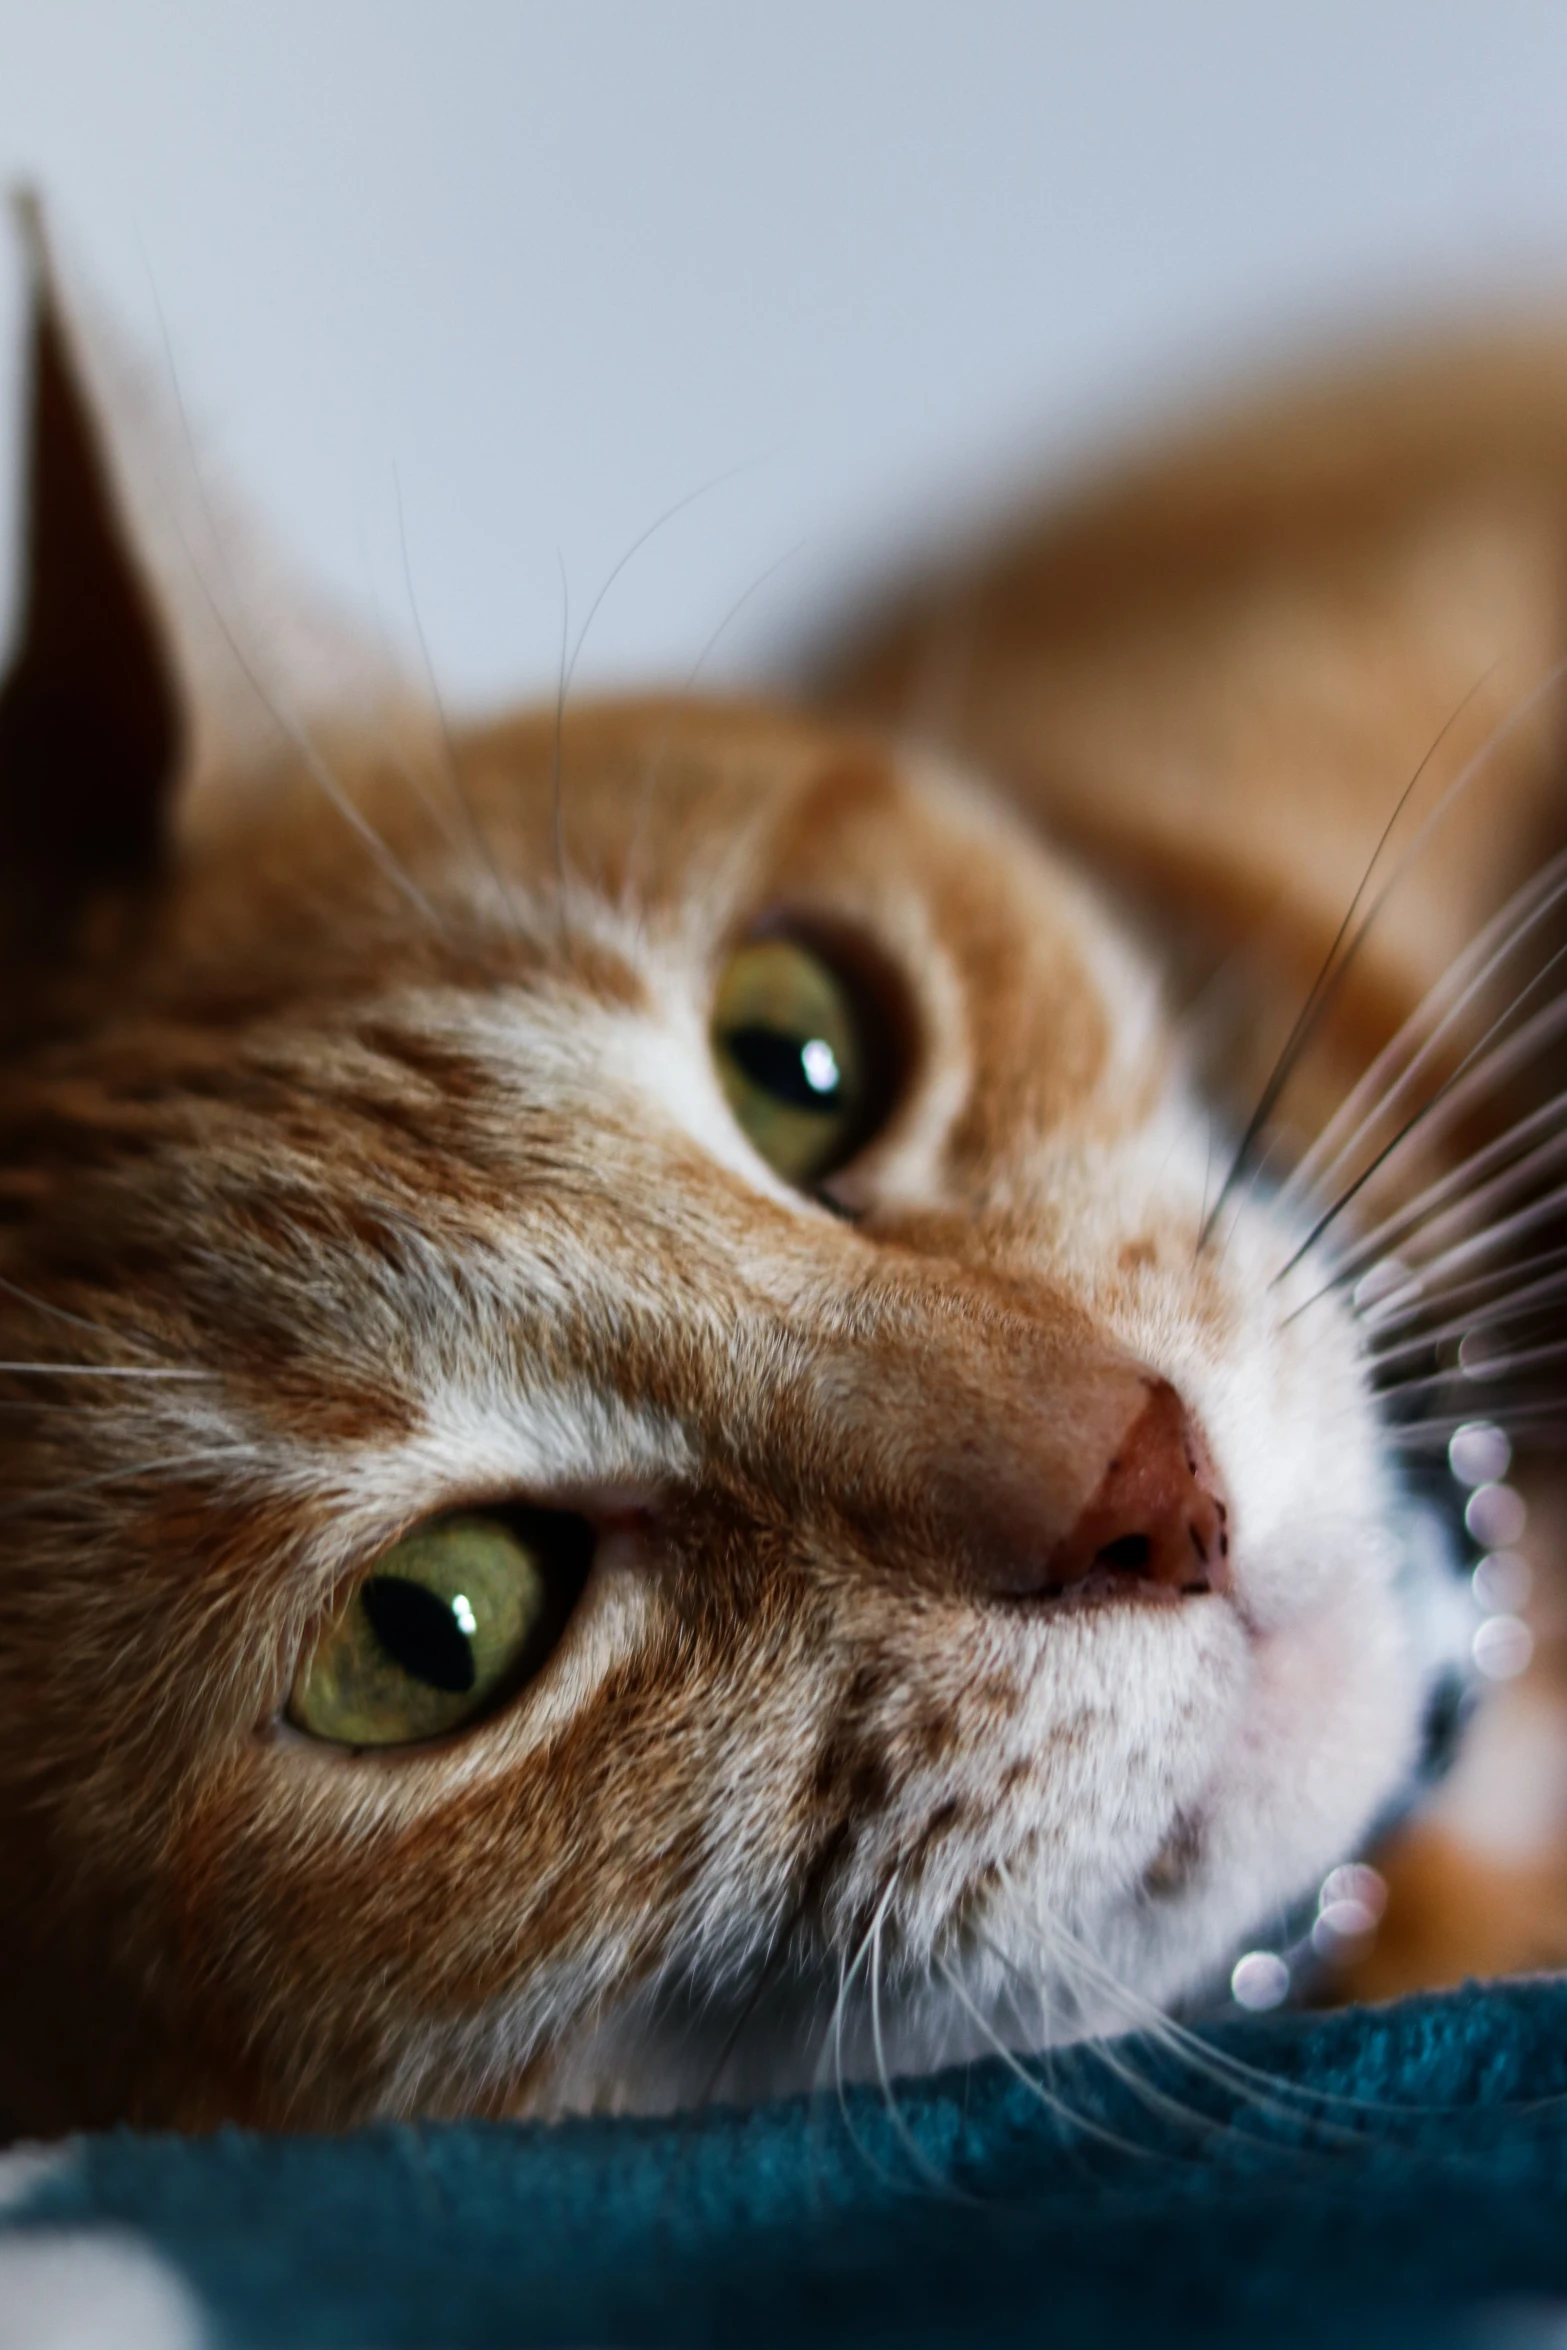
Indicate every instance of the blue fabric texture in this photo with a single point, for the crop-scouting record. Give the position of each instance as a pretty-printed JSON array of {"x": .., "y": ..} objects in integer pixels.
[{"x": 1370, "y": 2177}]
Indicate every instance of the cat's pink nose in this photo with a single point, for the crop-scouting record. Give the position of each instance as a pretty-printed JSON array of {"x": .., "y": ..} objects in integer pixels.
[{"x": 1158, "y": 1515}]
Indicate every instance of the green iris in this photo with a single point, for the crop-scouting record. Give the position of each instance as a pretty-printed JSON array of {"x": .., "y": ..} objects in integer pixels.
[
  {"x": 791, "y": 1057},
  {"x": 459, "y": 1611}
]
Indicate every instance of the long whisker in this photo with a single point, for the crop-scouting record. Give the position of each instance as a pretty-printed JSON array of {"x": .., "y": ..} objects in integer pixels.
[
  {"x": 1508, "y": 1310},
  {"x": 1066, "y": 1953},
  {"x": 1481, "y": 1069},
  {"x": 1501, "y": 1366},
  {"x": 1462, "y": 1188},
  {"x": 1263, "y": 2091},
  {"x": 1442, "y": 1003},
  {"x": 1478, "y": 1245},
  {"x": 1155, "y": 2101},
  {"x": 905, "y": 2136},
  {"x": 1338, "y": 961},
  {"x": 453, "y": 766},
  {"x": 655, "y": 762},
  {"x": 1498, "y": 1064},
  {"x": 834, "y": 2042},
  {"x": 1538, "y": 1423},
  {"x": 1052, "y": 2101},
  {"x": 315, "y": 766},
  {"x": 1384, "y": 1316}
]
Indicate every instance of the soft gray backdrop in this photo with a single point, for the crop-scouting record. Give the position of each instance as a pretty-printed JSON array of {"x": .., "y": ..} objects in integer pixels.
[{"x": 526, "y": 275}]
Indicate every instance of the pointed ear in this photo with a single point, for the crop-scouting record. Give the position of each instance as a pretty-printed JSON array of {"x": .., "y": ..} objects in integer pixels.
[{"x": 91, "y": 726}]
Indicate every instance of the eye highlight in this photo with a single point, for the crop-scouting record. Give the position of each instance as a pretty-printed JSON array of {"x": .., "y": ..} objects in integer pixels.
[
  {"x": 796, "y": 1056},
  {"x": 460, "y": 1613}
]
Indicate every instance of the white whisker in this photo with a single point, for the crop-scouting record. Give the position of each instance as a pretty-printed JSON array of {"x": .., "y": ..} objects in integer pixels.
[
  {"x": 1464, "y": 1325},
  {"x": 654, "y": 763},
  {"x": 1512, "y": 922},
  {"x": 1485, "y": 1367},
  {"x": 1537, "y": 1422},
  {"x": 1415, "y": 1299},
  {"x": 1480, "y": 1071},
  {"x": 1051, "y": 2099},
  {"x": 1478, "y": 1246},
  {"x": 453, "y": 768},
  {"x": 1462, "y": 1193}
]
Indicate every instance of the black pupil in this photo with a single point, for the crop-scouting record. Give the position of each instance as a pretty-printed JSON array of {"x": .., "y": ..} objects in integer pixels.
[
  {"x": 419, "y": 1632},
  {"x": 777, "y": 1063}
]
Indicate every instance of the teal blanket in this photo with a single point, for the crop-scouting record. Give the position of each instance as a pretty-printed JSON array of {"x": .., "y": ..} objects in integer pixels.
[{"x": 1378, "y": 2176}]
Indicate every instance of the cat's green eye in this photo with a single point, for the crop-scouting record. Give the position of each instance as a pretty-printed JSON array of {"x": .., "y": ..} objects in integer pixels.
[
  {"x": 792, "y": 1054},
  {"x": 454, "y": 1616}
]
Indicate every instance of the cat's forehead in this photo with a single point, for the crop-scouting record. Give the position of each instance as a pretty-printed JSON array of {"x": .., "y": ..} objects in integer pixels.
[{"x": 619, "y": 855}]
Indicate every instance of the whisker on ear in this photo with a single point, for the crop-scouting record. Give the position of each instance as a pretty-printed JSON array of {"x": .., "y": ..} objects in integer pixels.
[
  {"x": 691, "y": 498},
  {"x": 390, "y": 743},
  {"x": 654, "y": 764},
  {"x": 294, "y": 734},
  {"x": 568, "y": 665},
  {"x": 557, "y": 808},
  {"x": 321, "y": 775},
  {"x": 450, "y": 760}
]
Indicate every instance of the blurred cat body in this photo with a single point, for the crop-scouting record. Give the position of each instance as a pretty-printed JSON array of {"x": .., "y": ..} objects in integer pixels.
[{"x": 362, "y": 1158}]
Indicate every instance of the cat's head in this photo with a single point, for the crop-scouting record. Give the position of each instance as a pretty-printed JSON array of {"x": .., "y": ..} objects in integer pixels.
[{"x": 638, "y": 1471}]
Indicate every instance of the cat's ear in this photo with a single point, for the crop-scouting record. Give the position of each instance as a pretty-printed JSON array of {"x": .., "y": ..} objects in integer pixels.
[{"x": 91, "y": 724}]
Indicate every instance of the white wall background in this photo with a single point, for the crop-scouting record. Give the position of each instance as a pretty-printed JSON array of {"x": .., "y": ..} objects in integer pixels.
[{"x": 537, "y": 269}]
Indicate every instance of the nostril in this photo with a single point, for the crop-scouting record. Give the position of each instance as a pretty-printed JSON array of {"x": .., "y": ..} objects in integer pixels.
[{"x": 1157, "y": 1517}]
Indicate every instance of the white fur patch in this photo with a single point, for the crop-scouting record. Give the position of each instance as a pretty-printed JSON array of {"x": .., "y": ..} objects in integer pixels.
[{"x": 98, "y": 2290}]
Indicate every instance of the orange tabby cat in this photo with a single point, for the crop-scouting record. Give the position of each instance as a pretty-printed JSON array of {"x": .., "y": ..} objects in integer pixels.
[{"x": 644, "y": 1449}]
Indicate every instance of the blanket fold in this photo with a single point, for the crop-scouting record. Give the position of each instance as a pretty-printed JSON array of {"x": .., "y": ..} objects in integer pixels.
[{"x": 1373, "y": 2176}]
